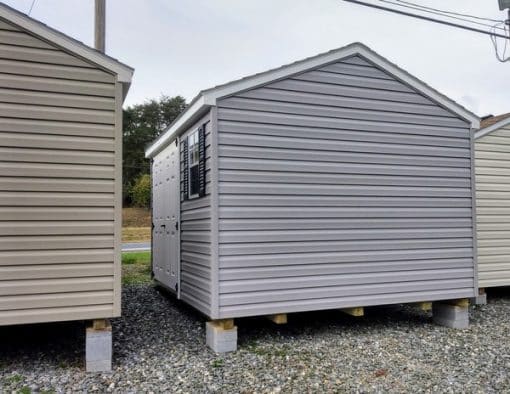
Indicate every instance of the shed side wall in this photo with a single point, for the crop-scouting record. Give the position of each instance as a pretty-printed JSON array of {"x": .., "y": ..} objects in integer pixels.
[
  {"x": 341, "y": 187},
  {"x": 60, "y": 139},
  {"x": 492, "y": 160},
  {"x": 196, "y": 273}
]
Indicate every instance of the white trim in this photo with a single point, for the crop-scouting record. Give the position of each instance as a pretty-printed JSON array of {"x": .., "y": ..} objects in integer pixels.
[
  {"x": 124, "y": 72},
  {"x": 209, "y": 97},
  {"x": 172, "y": 132},
  {"x": 491, "y": 128}
]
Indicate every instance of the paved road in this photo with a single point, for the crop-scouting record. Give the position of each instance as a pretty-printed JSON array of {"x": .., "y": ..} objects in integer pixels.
[{"x": 136, "y": 246}]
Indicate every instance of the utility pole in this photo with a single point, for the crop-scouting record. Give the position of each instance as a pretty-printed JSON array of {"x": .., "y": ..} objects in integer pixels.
[{"x": 100, "y": 25}]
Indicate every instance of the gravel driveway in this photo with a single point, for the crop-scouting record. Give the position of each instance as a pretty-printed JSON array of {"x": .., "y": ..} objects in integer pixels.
[{"x": 159, "y": 346}]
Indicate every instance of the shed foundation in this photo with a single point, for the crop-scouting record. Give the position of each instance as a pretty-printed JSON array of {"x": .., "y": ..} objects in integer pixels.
[
  {"x": 452, "y": 316},
  {"x": 98, "y": 347},
  {"x": 221, "y": 339}
]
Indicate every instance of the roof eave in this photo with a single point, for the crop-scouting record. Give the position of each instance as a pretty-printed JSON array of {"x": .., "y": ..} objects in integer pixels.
[
  {"x": 496, "y": 126},
  {"x": 124, "y": 72},
  {"x": 196, "y": 109}
]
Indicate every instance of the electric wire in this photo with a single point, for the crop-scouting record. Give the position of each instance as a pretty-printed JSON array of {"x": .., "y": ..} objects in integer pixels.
[
  {"x": 440, "y": 14},
  {"x": 31, "y": 7},
  {"x": 449, "y": 12},
  {"x": 429, "y": 19}
]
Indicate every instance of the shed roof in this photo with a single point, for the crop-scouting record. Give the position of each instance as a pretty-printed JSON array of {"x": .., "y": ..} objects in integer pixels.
[
  {"x": 124, "y": 72},
  {"x": 493, "y": 123},
  {"x": 207, "y": 98}
]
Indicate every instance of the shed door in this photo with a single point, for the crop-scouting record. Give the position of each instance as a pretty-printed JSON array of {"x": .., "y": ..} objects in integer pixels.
[{"x": 166, "y": 205}]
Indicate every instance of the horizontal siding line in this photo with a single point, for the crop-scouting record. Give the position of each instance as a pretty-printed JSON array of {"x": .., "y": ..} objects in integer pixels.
[
  {"x": 223, "y": 108},
  {"x": 296, "y": 120},
  {"x": 45, "y": 53},
  {"x": 285, "y": 106},
  {"x": 356, "y": 81},
  {"x": 86, "y": 124},
  {"x": 326, "y": 281},
  {"x": 281, "y": 94},
  {"x": 307, "y": 258},
  {"x": 30, "y": 112},
  {"x": 50, "y": 309},
  {"x": 276, "y": 248},
  {"x": 304, "y": 133},
  {"x": 20, "y": 68},
  {"x": 329, "y": 69},
  {"x": 311, "y": 140},
  {"x": 300, "y": 144},
  {"x": 249, "y": 155},
  {"x": 371, "y": 289}
]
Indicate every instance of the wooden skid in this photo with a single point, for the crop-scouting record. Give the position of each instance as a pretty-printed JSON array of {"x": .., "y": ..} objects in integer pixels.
[
  {"x": 357, "y": 312},
  {"x": 280, "y": 318}
]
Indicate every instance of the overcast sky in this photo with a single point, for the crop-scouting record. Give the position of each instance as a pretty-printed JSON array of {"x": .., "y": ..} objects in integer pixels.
[{"x": 181, "y": 47}]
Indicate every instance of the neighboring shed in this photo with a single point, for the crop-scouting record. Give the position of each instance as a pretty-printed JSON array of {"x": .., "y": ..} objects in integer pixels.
[
  {"x": 492, "y": 161},
  {"x": 339, "y": 181},
  {"x": 60, "y": 175}
]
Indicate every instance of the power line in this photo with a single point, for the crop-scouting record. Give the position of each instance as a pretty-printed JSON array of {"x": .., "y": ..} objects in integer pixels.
[
  {"x": 451, "y": 24},
  {"x": 31, "y": 7},
  {"x": 440, "y": 13},
  {"x": 449, "y": 12}
]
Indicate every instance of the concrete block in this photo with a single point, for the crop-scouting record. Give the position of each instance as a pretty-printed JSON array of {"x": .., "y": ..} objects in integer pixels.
[
  {"x": 219, "y": 339},
  {"x": 450, "y": 315},
  {"x": 481, "y": 299},
  {"x": 98, "y": 349}
]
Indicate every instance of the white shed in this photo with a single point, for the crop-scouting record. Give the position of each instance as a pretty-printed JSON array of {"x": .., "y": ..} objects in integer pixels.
[
  {"x": 60, "y": 175},
  {"x": 492, "y": 160},
  {"x": 338, "y": 181}
]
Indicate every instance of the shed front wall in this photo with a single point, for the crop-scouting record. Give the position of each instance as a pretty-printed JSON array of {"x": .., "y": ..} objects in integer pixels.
[
  {"x": 341, "y": 187},
  {"x": 60, "y": 184},
  {"x": 492, "y": 160},
  {"x": 196, "y": 269}
]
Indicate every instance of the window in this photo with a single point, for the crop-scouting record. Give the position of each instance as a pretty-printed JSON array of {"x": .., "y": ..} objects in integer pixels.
[{"x": 193, "y": 165}]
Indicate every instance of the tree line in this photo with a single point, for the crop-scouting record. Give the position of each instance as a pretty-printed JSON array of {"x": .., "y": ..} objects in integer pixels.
[{"x": 143, "y": 123}]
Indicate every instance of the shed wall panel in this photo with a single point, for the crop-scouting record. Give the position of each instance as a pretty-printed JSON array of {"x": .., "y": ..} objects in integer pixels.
[
  {"x": 492, "y": 160},
  {"x": 341, "y": 187},
  {"x": 196, "y": 234},
  {"x": 59, "y": 183}
]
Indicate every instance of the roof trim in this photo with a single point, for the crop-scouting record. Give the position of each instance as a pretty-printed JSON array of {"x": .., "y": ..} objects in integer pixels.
[
  {"x": 210, "y": 96},
  {"x": 124, "y": 72},
  {"x": 496, "y": 126}
]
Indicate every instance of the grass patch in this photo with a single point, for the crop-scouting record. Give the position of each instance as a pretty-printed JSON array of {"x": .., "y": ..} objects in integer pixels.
[
  {"x": 17, "y": 378},
  {"x": 136, "y": 234},
  {"x": 218, "y": 363},
  {"x": 136, "y": 268}
]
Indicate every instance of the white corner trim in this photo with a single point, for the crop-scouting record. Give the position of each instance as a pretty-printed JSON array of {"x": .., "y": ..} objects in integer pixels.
[
  {"x": 494, "y": 127},
  {"x": 170, "y": 133},
  {"x": 124, "y": 72}
]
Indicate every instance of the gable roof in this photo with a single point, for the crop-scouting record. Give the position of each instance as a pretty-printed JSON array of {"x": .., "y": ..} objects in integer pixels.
[
  {"x": 124, "y": 72},
  {"x": 208, "y": 98},
  {"x": 492, "y": 124}
]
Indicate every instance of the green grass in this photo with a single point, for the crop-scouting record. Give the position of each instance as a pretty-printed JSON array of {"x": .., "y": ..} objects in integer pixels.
[{"x": 136, "y": 268}]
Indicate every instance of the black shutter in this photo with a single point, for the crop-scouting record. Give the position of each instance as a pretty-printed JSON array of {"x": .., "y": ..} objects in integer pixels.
[
  {"x": 201, "y": 163},
  {"x": 185, "y": 170}
]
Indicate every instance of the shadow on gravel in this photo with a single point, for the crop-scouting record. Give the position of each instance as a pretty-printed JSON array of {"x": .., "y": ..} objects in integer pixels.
[{"x": 55, "y": 344}]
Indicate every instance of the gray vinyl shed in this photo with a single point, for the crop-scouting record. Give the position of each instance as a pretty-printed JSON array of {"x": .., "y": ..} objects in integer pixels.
[
  {"x": 492, "y": 160},
  {"x": 60, "y": 175},
  {"x": 333, "y": 182}
]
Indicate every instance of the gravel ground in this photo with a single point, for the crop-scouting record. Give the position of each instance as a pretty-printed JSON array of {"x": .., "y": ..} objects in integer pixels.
[{"x": 159, "y": 345}]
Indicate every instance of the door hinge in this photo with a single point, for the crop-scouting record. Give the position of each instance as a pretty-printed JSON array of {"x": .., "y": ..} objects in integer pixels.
[
  {"x": 177, "y": 287},
  {"x": 177, "y": 226}
]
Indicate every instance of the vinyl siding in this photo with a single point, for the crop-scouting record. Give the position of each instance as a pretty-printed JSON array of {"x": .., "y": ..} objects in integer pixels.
[
  {"x": 60, "y": 143},
  {"x": 492, "y": 153},
  {"x": 196, "y": 284},
  {"x": 341, "y": 187}
]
